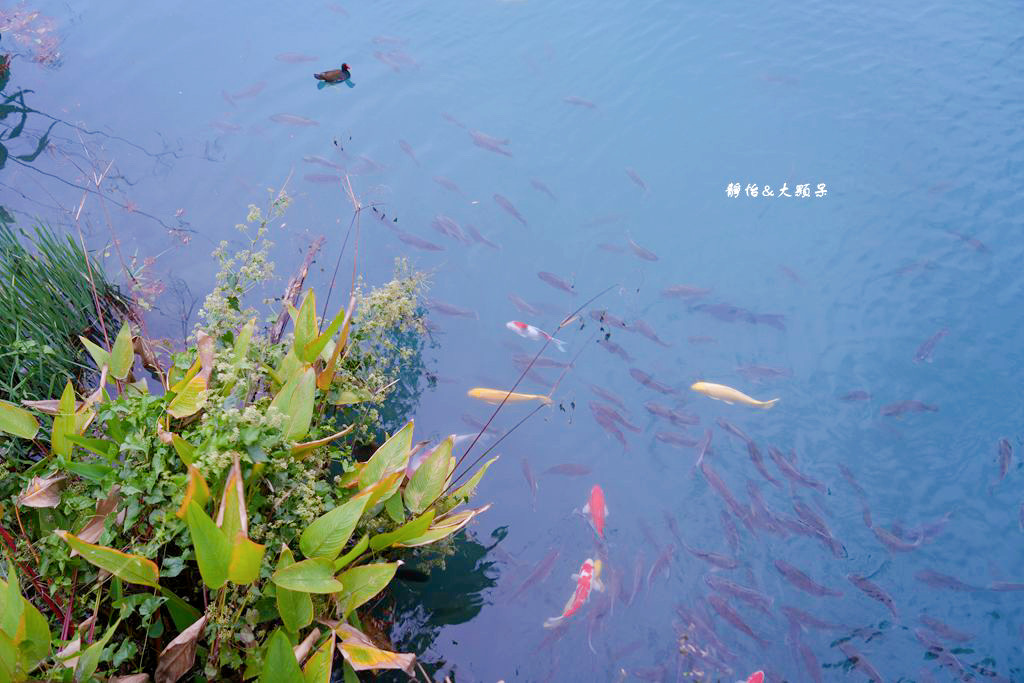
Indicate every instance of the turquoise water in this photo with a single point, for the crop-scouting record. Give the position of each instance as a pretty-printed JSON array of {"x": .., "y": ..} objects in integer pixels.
[{"x": 907, "y": 112}]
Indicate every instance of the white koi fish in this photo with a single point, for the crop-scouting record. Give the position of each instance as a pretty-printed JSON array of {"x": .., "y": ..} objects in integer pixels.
[
  {"x": 720, "y": 392},
  {"x": 530, "y": 332},
  {"x": 589, "y": 577}
]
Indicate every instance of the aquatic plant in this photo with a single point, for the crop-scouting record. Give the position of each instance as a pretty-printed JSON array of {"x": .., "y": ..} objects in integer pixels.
[{"x": 223, "y": 529}]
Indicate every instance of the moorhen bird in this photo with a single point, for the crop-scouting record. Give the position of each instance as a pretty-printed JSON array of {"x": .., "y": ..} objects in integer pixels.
[{"x": 335, "y": 75}]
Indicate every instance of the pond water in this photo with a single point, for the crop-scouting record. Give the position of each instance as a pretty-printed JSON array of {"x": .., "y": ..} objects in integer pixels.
[{"x": 615, "y": 131}]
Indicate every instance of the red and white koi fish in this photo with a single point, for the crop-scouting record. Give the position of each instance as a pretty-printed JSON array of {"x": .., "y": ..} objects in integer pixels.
[
  {"x": 530, "y": 332},
  {"x": 756, "y": 677},
  {"x": 597, "y": 509},
  {"x": 589, "y": 577}
]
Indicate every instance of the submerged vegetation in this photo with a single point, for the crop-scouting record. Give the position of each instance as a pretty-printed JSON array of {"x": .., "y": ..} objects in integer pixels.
[{"x": 233, "y": 524}]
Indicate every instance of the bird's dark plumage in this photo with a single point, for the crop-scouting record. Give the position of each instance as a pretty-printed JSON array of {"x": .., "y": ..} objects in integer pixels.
[{"x": 334, "y": 75}]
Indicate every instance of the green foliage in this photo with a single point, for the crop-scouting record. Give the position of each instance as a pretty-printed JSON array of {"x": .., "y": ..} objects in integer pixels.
[{"x": 155, "y": 510}]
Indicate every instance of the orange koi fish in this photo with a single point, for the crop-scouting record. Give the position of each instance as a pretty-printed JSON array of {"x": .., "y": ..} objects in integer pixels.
[
  {"x": 597, "y": 509},
  {"x": 589, "y": 577}
]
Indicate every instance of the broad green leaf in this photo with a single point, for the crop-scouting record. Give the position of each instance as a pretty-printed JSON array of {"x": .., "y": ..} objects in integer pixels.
[
  {"x": 193, "y": 370},
  {"x": 182, "y": 613},
  {"x": 8, "y": 657},
  {"x": 122, "y": 355},
  {"x": 101, "y": 447},
  {"x": 64, "y": 423},
  {"x": 408, "y": 531},
  {"x": 279, "y": 664},
  {"x": 17, "y": 421},
  {"x": 295, "y": 400},
  {"x": 12, "y": 605},
  {"x": 130, "y": 568},
  {"x": 393, "y": 455},
  {"x": 444, "y": 528},
  {"x": 318, "y": 666},
  {"x": 90, "y": 658},
  {"x": 35, "y": 647},
  {"x": 100, "y": 355},
  {"x": 309, "y": 576},
  {"x": 246, "y": 558},
  {"x": 362, "y": 583},
  {"x": 288, "y": 366},
  {"x": 305, "y": 326},
  {"x": 357, "y": 550},
  {"x": 348, "y": 397},
  {"x": 325, "y": 378},
  {"x": 197, "y": 490},
  {"x": 328, "y": 534},
  {"x": 428, "y": 480},
  {"x": 363, "y": 655},
  {"x": 393, "y": 506},
  {"x": 213, "y": 550},
  {"x": 190, "y": 399},
  {"x": 242, "y": 342},
  {"x": 295, "y": 607},
  {"x": 465, "y": 492},
  {"x": 185, "y": 450},
  {"x": 93, "y": 471}
]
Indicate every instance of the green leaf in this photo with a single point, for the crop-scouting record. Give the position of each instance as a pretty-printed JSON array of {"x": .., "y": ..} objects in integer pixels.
[
  {"x": 295, "y": 400},
  {"x": 101, "y": 447},
  {"x": 185, "y": 450},
  {"x": 122, "y": 355},
  {"x": 412, "y": 529},
  {"x": 127, "y": 567},
  {"x": 11, "y": 603},
  {"x": 17, "y": 421},
  {"x": 305, "y": 327},
  {"x": 362, "y": 583},
  {"x": 347, "y": 397},
  {"x": 90, "y": 658},
  {"x": 309, "y": 576},
  {"x": 93, "y": 471},
  {"x": 246, "y": 558},
  {"x": 182, "y": 614},
  {"x": 100, "y": 355},
  {"x": 465, "y": 492},
  {"x": 295, "y": 607},
  {"x": 64, "y": 423},
  {"x": 8, "y": 650},
  {"x": 357, "y": 550},
  {"x": 428, "y": 480},
  {"x": 213, "y": 551},
  {"x": 35, "y": 646},
  {"x": 318, "y": 666},
  {"x": 393, "y": 506},
  {"x": 393, "y": 455},
  {"x": 328, "y": 534},
  {"x": 279, "y": 664},
  {"x": 316, "y": 347}
]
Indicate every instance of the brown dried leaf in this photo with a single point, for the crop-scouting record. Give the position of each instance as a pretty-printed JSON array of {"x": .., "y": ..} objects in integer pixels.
[
  {"x": 164, "y": 435},
  {"x": 72, "y": 648},
  {"x": 302, "y": 649},
  {"x": 133, "y": 678},
  {"x": 205, "y": 344},
  {"x": 180, "y": 654},
  {"x": 50, "y": 406},
  {"x": 92, "y": 530},
  {"x": 42, "y": 493}
]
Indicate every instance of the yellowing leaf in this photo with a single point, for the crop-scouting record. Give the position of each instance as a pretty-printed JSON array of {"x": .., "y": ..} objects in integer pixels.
[
  {"x": 308, "y": 576},
  {"x": 177, "y": 658},
  {"x": 197, "y": 490},
  {"x": 363, "y": 583},
  {"x": 327, "y": 376},
  {"x": 465, "y": 492},
  {"x": 393, "y": 455},
  {"x": 64, "y": 423},
  {"x": 100, "y": 355},
  {"x": 301, "y": 450},
  {"x": 363, "y": 655},
  {"x": 17, "y": 421},
  {"x": 444, "y": 528},
  {"x": 246, "y": 557},
  {"x": 176, "y": 387},
  {"x": 318, "y": 668},
  {"x": 42, "y": 493},
  {"x": 190, "y": 399},
  {"x": 122, "y": 355},
  {"x": 129, "y": 568}
]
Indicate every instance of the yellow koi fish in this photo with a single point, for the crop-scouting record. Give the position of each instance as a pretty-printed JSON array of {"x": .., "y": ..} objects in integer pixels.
[
  {"x": 498, "y": 395},
  {"x": 720, "y": 392}
]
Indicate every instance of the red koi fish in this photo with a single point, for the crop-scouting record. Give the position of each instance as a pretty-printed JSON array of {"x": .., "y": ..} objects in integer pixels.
[
  {"x": 530, "y": 332},
  {"x": 589, "y": 577},
  {"x": 597, "y": 509},
  {"x": 756, "y": 677}
]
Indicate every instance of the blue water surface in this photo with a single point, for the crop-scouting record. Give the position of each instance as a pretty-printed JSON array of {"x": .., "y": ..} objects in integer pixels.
[{"x": 908, "y": 113}]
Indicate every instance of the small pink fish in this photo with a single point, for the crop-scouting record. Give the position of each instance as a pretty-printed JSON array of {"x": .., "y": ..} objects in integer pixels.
[
  {"x": 530, "y": 332},
  {"x": 589, "y": 577},
  {"x": 597, "y": 509}
]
